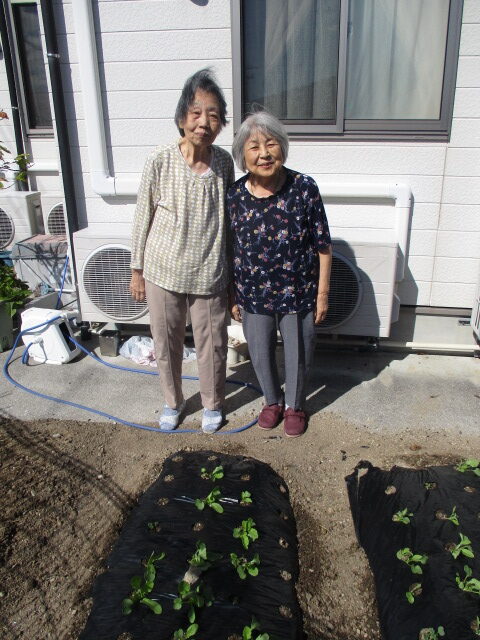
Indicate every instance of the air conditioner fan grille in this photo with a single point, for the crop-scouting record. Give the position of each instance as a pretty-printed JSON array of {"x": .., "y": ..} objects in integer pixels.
[
  {"x": 106, "y": 279},
  {"x": 56, "y": 220},
  {"x": 7, "y": 229},
  {"x": 345, "y": 292}
]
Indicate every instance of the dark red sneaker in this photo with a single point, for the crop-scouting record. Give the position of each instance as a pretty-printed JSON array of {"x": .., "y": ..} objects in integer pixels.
[
  {"x": 294, "y": 423},
  {"x": 270, "y": 416}
]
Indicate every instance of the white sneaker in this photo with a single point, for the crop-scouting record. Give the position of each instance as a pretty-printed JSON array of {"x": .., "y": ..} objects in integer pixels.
[
  {"x": 170, "y": 418},
  {"x": 212, "y": 420}
]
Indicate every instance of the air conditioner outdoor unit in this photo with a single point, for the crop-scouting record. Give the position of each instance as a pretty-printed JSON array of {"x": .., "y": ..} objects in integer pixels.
[
  {"x": 54, "y": 218},
  {"x": 20, "y": 217},
  {"x": 362, "y": 298},
  {"x": 475, "y": 319},
  {"x": 103, "y": 268}
]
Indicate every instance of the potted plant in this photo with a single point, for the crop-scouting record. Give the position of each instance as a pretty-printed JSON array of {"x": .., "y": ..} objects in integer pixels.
[{"x": 13, "y": 293}]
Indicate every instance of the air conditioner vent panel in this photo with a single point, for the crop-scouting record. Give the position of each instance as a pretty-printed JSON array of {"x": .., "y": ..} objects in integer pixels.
[
  {"x": 345, "y": 292},
  {"x": 56, "y": 220},
  {"x": 106, "y": 278},
  {"x": 7, "y": 229}
]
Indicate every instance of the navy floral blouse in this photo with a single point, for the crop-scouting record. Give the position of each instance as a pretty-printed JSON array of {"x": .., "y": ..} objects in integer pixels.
[{"x": 275, "y": 245}]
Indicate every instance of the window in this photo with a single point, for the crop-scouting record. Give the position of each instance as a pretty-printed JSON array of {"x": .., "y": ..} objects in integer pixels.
[
  {"x": 32, "y": 67},
  {"x": 351, "y": 67}
]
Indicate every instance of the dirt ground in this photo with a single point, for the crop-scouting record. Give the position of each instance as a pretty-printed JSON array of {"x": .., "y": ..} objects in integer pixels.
[{"x": 67, "y": 487}]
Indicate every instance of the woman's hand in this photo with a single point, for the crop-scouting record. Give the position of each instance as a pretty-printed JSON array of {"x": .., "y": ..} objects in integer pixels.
[
  {"x": 321, "y": 307},
  {"x": 137, "y": 285},
  {"x": 235, "y": 312}
]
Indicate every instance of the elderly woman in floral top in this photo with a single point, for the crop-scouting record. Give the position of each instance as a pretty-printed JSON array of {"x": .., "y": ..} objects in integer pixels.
[{"x": 281, "y": 261}]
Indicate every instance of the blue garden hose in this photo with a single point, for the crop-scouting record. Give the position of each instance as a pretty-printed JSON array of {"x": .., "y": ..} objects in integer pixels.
[{"x": 113, "y": 366}]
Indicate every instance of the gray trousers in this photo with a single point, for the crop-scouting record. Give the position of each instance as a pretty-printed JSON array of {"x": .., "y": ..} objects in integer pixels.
[{"x": 298, "y": 334}]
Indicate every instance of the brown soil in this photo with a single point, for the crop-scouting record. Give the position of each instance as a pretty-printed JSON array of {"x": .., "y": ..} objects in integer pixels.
[{"x": 66, "y": 489}]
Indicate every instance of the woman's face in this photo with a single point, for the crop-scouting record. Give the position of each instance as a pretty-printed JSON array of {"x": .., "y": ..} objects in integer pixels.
[
  {"x": 263, "y": 155},
  {"x": 202, "y": 123}
]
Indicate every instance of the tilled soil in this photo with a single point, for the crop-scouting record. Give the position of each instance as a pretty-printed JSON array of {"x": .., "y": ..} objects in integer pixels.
[{"x": 67, "y": 487}]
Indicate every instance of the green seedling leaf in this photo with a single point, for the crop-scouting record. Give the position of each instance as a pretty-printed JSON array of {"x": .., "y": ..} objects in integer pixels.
[
  {"x": 215, "y": 474},
  {"x": 216, "y": 507},
  {"x": 402, "y": 516},
  {"x": 127, "y": 605},
  {"x": 202, "y": 558},
  {"x": 245, "y": 498},
  {"x": 142, "y": 586},
  {"x": 462, "y": 548},
  {"x": 246, "y": 532},
  {"x": 413, "y": 560},
  {"x": 468, "y": 584},
  {"x": 200, "y": 504},
  {"x": 156, "y": 607},
  {"x": 471, "y": 464}
]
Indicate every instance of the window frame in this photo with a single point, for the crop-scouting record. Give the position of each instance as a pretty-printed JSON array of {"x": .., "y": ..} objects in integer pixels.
[{"x": 411, "y": 129}]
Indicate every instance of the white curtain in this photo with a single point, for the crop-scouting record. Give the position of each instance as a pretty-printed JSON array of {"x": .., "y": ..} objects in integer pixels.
[
  {"x": 396, "y": 56},
  {"x": 291, "y": 56}
]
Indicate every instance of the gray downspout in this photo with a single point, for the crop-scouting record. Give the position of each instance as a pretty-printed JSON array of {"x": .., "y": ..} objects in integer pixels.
[
  {"x": 53, "y": 57},
  {"x": 12, "y": 88}
]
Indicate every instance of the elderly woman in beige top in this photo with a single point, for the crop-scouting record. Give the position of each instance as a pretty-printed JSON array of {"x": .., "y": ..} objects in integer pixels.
[{"x": 179, "y": 249}]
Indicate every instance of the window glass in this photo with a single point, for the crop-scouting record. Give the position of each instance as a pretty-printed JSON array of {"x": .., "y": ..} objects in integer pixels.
[
  {"x": 396, "y": 55},
  {"x": 291, "y": 57},
  {"x": 34, "y": 77}
]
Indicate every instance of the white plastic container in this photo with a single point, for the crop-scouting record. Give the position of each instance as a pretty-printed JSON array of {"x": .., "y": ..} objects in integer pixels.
[
  {"x": 237, "y": 345},
  {"x": 49, "y": 343}
]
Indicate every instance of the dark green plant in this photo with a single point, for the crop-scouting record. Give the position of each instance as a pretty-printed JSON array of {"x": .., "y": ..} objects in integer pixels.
[
  {"x": 202, "y": 558},
  {"x": 413, "y": 560},
  {"x": 246, "y": 532},
  {"x": 431, "y": 633},
  {"x": 194, "y": 597},
  {"x": 414, "y": 590},
  {"x": 13, "y": 292},
  {"x": 464, "y": 548},
  {"x": 216, "y": 474},
  {"x": 21, "y": 161},
  {"x": 245, "y": 498},
  {"x": 212, "y": 501},
  {"x": 471, "y": 464},
  {"x": 252, "y": 632},
  {"x": 142, "y": 586},
  {"x": 153, "y": 526},
  {"x": 453, "y": 517},
  {"x": 245, "y": 567},
  {"x": 402, "y": 516},
  {"x": 189, "y": 632},
  {"x": 468, "y": 584}
]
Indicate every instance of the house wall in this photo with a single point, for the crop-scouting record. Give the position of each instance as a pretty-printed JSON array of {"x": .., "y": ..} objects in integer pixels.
[{"x": 146, "y": 50}]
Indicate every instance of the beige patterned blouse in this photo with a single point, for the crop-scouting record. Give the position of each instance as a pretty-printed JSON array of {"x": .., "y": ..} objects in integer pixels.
[{"x": 178, "y": 236}]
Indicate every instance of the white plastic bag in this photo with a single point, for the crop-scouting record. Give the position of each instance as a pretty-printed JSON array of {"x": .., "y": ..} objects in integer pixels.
[{"x": 140, "y": 349}]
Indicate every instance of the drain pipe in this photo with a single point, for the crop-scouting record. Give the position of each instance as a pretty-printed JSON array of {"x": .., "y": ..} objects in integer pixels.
[
  {"x": 53, "y": 57},
  {"x": 12, "y": 87}
]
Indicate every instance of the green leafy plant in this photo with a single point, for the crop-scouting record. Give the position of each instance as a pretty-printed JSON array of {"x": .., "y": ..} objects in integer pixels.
[
  {"x": 453, "y": 517},
  {"x": 430, "y": 485},
  {"x": 215, "y": 474},
  {"x": 252, "y": 632},
  {"x": 246, "y": 532},
  {"x": 431, "y": 634},
  {"x": 414, "y": 590},
  {"x": 469, "y": 584},
  {"x": 13, "y": 292},
  {"x": 21, "y": 161},
  {"x": 141, "y": 587},
  {"x": 471, "y": 464},
  {"x": 475, "y": 626},
  {"x": 192, "y": 597},
  {"x": 464, "y": 548},
  {"x": 189, "y": 632},
  {"x": 202, "y": 558},
  {"x": 245, "y": 498},
  {"x": 154, "y": 526},
  {"x": 212, "y": 501},
  {"x": 413, "y": 560},
  {"x": 245, "y": 567},
  {"x": 402, "y": 516}
]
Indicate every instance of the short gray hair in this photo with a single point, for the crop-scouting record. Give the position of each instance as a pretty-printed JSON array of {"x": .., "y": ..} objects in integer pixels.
[
  {"x": 267, "y": 124},
  {"x": 203, "y": 80}
]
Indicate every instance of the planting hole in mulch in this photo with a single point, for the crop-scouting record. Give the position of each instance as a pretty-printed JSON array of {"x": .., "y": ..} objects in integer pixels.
[{"x": 237, "y": 567}]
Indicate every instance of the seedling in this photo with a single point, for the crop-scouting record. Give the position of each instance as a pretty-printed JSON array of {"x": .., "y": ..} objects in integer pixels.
[
  {"x": 154, "y": 526},
  {"x": 463, "y": 548},
  {"x": 402, "y": 516},
  {"x": 189, "y": 632},
  {"x": 471, "y": 464},
  {"x": 413, "y": 560},
  {"x": 216, "y": 474},
  {"x": 245, "y": 567},
  {"x": 252, "y": 632},
  {"x": 193, "y": 597},
  {"x": 211, "y": 501},
  {"x": 202, "y": 558},
  {"x": 475, "y": 626},
  {"x": 430, "y": 485},
  {"x": 468, "y": 584},
  {"x": 431, "y": 634},
  {"x": 246, "y": 532},
  {"x": 245, "y": 498},
  {"x": 441, "y": 515},
  {"x": 141, "y": 587},
  {"x": 414, "y": 590}
]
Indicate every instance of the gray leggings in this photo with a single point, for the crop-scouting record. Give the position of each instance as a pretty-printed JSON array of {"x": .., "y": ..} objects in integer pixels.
[{"x": 298, "y": 334}]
